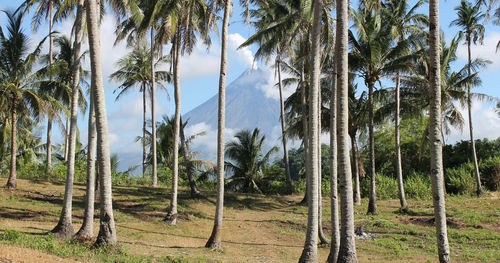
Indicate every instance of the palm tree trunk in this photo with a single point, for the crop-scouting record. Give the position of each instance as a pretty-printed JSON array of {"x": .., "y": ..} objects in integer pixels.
[
  {"x": 310, "y": 251},
  {"x": 144, "y": 165},
  {"x": 189, "y": 166},
  {"x": 86, "y": 232},
  {"x": 305, "y": 138},
  {"x": 66, "y": 139},
  {"x": 347, "y": 250},
  {"x": 171, "y": 217},
  {"x": 322, "y": 237},
  {"x": 153, "y": 102},
  {"x": 283, "y": 128},
  {"x": 355, "y": 161},
  {"x": 107, "y": 230},
  {"x": 64, "y": 228},
  {"x": 399, "y": 170},
  {"x": 49, "y": 124},
  {"x": 436, "y": 144},
  {"x": 334, "y": 202},
  {"x": 214, "y": 242},
  {"x": 479, "y": 190},
  {"x": 12, "y": 182},
  {"x": 372, "y": 204}
]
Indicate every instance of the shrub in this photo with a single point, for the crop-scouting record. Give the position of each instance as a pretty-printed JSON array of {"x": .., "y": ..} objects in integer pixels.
[
  {"x": 386, "y": 187},
  {"x": 460, "y": 180},
  {"x": 490, "y": 173},
  {"x": 418, "y": 186}
]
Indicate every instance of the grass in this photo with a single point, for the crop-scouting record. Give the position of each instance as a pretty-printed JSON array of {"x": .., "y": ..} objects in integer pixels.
[{"x": 256, "y": 228}]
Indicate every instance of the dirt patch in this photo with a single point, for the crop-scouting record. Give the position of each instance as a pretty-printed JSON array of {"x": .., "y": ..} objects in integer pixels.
[
  {"x": 289, "y": 225},
  {"x": 429, "y": 221},
  {"x": 11, "y": 254}
]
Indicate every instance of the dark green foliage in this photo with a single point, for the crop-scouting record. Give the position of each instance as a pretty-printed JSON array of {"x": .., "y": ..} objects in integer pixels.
[
  {"x": 490, "y": 173},
  {"x": 460, "y": 180},
  {"x": 459, "y": 153}
]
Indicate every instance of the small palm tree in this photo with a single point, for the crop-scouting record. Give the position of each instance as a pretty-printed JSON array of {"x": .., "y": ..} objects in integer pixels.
[
  {"x": 247, "y": 160},
  {"x": 469, "y": 20},
  {"x": 18, "y": 82}
]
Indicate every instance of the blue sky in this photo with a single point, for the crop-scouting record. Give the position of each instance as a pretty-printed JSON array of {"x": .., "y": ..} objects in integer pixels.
[{"x": 199, "y": 77}]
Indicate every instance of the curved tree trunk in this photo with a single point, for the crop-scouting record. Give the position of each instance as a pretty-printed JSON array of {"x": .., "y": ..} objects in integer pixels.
[
  {"x": 189, "y": 167},
  {"x": 305, "y": 139},
  {"x": 86, "y": 232},
  {"x": 49, "y": 123},
  {"x": 334, "y": 202},
  {"x": 171, "y": 217},
  {"x": 322, "y": 237},
  {"x": 479, "y": 188},
  {"x": 355, "y": 164},
  {"x": 66, "y": 139},
  {"x": 282, "y": 118},
  {"x": 64, "y": 229},
  {"x": 372, "y": 204},
  {"x": 214, "y": 242},
  {"x": 347, "y": 250},
  {"x": 144, "y": 154},
  {"x": 107, "y": 230},
  {"x": 399, "y": 170},
  {"x": 153, "y": 102},
  {"x": 310, "y": 251},
  {"x": 12, "y": 181},
  {"x": 436, "y": 144}
]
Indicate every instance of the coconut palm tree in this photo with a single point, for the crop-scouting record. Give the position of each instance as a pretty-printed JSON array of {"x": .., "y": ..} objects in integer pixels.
[
  {"x": 436, "y": 143},
  {"x": 18, "y": 84},
  {"x": 375, "y": 54},
  {"x": 135, "y": 72},
  {"x": 107, "y": 230},
  {"x": 44, "y": 10},
  {"x": 347, "y": 250},
  {"x": 310, "y": 251},
  {"x": 405, "y": 22},
  {"x": 215, "y": 241},
  {"x": 468, "y": 20}
]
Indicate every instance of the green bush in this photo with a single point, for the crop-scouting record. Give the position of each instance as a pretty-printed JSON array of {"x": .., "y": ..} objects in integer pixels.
[
  {"x": 418, "y": 186},
  {"x": 386, "y": 187},
  {"x": 490, "y": 173},
  {"x": 460, "y": 180}
]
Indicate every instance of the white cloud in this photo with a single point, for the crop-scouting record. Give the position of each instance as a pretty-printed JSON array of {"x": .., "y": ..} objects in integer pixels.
[
  {"x": 244, "y": 54},
  {"x": 485, "y": 51},
  {"x": 485, "y": 121},
  {"x": 207, "y": 142},
  {"x": 199, "y": 64},
  {"x": 270, "y": 89}
]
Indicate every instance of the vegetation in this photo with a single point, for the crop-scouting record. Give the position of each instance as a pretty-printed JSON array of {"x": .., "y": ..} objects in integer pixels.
[{"x": 385, "y": 143}]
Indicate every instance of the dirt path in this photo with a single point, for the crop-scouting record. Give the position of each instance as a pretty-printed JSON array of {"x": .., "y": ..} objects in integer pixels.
[{"x": 9, "y": 254}]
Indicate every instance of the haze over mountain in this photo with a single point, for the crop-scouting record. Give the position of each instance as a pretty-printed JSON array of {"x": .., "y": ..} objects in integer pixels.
[{"x": 249, "y": 104}]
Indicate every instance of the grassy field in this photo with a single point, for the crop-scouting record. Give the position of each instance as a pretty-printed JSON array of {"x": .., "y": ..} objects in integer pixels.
[{"x": 256, "y": 228}]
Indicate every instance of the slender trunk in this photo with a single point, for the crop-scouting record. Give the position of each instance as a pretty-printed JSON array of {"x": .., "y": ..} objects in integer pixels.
[
  {"x": 144, "y": 164},
  {"x": 12, "y": 182},
  {"x": 283, "y": 127},
  {"x": 479, "y": 190},
  {"x": 49, "y": 124},
  {"x": 372, "y": 204},
  {"x": 310, "y": 251},
  {"x": 64, "y": 229},
  {"x": 347, "y": 250},
  {"x": 153, "y": 102},
  {"x": 214, "y": 242},
  {"x": 189, "y": 166},
  {"x": 322, "y": 237},
  {"x": 107, "y": 230},
  {"x": 399, "y": 170},
  {"x": 86, "y": 232},
  {"x": 355, "y": 161},
  {"x": 436, "y": 144},
  {"x": 334, "y": 202},
  {"x": 49, "y": 145},
  {"x": 171, "y": 218},
  {"x": 305, "y": 138},
  {"x": 66, "y": 139}
]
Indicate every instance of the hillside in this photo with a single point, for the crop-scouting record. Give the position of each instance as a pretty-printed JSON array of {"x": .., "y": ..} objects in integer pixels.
[{"x": 256, "y": 228}]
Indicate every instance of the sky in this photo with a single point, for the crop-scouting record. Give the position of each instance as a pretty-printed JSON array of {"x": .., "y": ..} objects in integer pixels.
[{"x": 200, "y": 73}]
